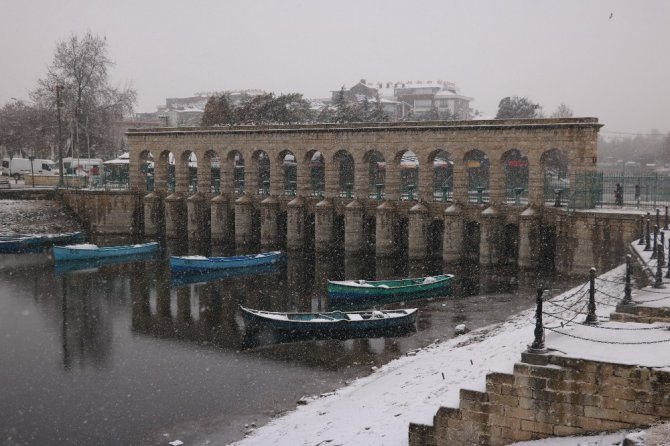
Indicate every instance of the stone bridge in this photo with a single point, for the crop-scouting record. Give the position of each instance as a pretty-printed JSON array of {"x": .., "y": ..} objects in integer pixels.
[{"x": 484, "y": 190}]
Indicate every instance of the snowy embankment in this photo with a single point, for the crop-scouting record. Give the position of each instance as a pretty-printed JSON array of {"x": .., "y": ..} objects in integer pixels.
[{"x": 377, "y": 409}]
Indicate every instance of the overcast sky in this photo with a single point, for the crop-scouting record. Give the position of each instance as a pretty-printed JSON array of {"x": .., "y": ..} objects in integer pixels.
[{"x": 608, "y": 59}]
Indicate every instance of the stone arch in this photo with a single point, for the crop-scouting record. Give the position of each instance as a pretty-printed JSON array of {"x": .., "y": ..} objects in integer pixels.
[
  {"x": 376, "y": 173},
  {"x": 164, "y": 172},
  {"x": 477, "y": 170},
  {"x": 345, "y": 166},
  {"x": 407, "y": 163},
  {"x": 209, "y": 179},
  {"x": 515, "y": 170},
  {"x": 262, "y": 164},
  {"x": 317, "y": 172},
  {"x": 442, "y": 163},
  {"x": 286, "y": 162},
  {"x": 471, "y": 239},
  {"x": 186, "y": 171},
  {"x": 232, "y": 172},
  {"x": 146, "y": 168},
  {"x": 435, "y": 238},
  {"x": 509, "y": 244},
  {"x": 555, "y": 165}
]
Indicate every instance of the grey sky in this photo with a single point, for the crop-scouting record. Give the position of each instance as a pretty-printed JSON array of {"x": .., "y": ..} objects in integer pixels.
[{"x": 571, "y": 51}]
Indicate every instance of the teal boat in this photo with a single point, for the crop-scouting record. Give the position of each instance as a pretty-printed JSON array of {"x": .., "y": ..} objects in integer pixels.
[
  {"x": 365, "y": 292},
  {"x": 93, "y": 252},
  {"x": 331, "y": 323}
]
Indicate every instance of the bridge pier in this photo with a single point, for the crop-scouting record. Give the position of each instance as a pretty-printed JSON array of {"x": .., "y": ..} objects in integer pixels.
[
  {"x": 529, "y": 233},
  {"x": 154, "y": 215},
  {"x": 384, "y": 229},
  {"x": 489, "y": 243},
  {"x": 175, "y": 216},
  {"x": 295, "y": 224},
  {"x": 418, "y": 227},
  {"x": 222, "y": 225},
  {"x": 198, "y": 217},
  {"x": 452, "y": 243},
  {"x": 269, "y": 217},
  {"x": 353, "y": 228},
  {"x": 323, "y": 230},
  {"x": 244, "y": 213}
]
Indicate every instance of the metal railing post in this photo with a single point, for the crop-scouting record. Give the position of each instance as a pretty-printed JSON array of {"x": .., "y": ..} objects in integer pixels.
[
  {"x": 591, "y": 317},
  {"x": 641, "y": 242},
  {"x": 661, "y": 250},
  {"x": 647, "y": 246},
  {"x": 654, "y": 252},
  {"x": 627, "y": 298},
  {"x": 538, "y": 342},
  {"x": 658, "y": 283}
]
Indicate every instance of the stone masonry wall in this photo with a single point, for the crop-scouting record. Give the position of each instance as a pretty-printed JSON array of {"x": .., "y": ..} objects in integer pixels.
[
  {"x": 550, "y": 396},
  {"x": 102, "y": 212}
]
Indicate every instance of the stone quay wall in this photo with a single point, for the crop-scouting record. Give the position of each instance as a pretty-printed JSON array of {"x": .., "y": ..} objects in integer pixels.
[
  {"x": 550, "y": 396},
  {"x": 106, "y": 212}
]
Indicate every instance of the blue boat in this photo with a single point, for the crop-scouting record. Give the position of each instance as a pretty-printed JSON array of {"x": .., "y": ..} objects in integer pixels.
[
  {"x": 189, "y": 264},
  {"x": 187, "y": 278},
  {"x": 92, "y": 252},
  {"x": 17, "y": 243},
  {"x": 329, "y": 323}
]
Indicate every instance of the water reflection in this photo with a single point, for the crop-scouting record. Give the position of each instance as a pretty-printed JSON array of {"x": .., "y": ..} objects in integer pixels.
[{"x": 179, "y": 349}]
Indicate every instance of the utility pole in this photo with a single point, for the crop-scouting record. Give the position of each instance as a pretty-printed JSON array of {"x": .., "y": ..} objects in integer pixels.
[{"x": 59, "y": 87}]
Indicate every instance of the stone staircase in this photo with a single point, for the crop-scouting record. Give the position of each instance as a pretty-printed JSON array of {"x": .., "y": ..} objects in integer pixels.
[{"x": 550, "y": 396}]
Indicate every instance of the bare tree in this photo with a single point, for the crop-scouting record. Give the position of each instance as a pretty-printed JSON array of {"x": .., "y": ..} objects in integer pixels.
[
  {"x": 90, "y": 106},
  {"x": 25, "y": 130},
  {"x": 563, "y": 111}
]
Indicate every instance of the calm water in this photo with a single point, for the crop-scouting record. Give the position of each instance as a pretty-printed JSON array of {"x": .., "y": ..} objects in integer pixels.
[{"x": 123, "y": 354}]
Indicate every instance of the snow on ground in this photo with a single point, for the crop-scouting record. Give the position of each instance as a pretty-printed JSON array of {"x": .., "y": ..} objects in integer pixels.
[{"x": 377, "y": 409}]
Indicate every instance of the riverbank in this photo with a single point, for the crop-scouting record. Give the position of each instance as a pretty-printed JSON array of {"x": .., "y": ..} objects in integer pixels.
[
  {"x": 376, "y": 410},
  {"x": 36, "y": 217}
]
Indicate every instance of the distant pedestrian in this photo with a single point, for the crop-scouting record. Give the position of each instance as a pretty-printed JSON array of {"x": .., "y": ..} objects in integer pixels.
[
  {"x": 637, "y": 193},
  {"x": 618, "y": 195}
]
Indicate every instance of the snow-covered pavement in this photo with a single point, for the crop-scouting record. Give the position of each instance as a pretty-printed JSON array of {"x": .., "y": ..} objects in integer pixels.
[{"x": 377, "y": 409}]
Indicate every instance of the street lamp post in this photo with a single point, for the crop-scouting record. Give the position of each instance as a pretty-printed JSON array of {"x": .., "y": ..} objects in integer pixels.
[
  {"x": 60, "y": 147},
  {"x": 32, "y": 170}
]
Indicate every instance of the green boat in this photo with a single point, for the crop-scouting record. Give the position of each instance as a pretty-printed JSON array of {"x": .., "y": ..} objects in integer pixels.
[{"x": 363, "y": 292}]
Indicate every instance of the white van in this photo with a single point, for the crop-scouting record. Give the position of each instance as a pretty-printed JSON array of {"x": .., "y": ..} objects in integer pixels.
[{"x": 19, "y": 167}]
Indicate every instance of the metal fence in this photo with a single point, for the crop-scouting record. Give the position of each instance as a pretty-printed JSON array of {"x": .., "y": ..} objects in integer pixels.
[{"x": 603, "y": 190}]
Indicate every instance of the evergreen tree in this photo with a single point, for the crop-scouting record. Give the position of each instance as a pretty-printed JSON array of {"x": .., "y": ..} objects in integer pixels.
[
  {"x": 211, "y": 115},
  {"x": 378, "y": 114},
  {"x": 518, "y": 107}
]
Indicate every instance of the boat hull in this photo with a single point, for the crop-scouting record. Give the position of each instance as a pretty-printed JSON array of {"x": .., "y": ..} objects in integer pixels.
[
  {"x": 328, "y": 323},
  {"x": 32, "y": 243},
  {"x": 351, "y": 294},
  {"x": 194, "y": 264},
  {"x": 69, "y": 253}
]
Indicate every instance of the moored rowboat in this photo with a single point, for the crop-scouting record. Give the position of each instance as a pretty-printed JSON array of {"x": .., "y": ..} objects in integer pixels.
[
  {"x": 331, "y": 322},
  {"x": 90, "y": 251},
  {"x": 189, "y": 264},
  {"x": 357, "y": 292},
  {"x": 30, "y": 243}
]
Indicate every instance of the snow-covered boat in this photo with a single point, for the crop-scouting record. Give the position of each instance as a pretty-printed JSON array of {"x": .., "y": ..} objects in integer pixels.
[
  {"x": 364, "y": 292},
  {"x": 17, "y": 243},
  {"x": 332, "y": 322},
  {"x": 89, "y": 251}
]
